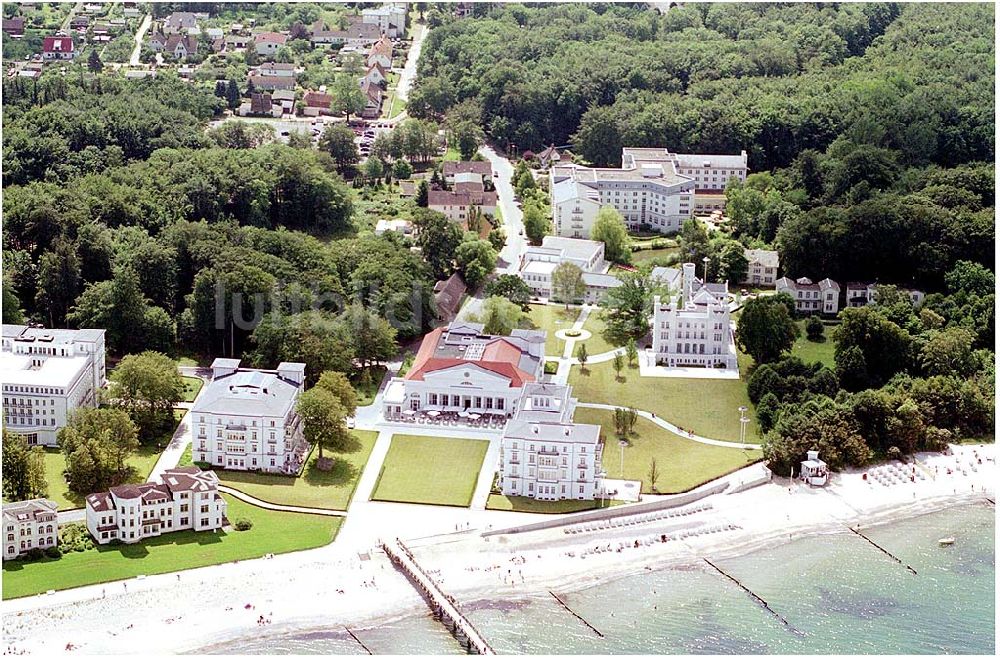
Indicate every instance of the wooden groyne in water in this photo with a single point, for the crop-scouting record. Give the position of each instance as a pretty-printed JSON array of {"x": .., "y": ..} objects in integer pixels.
[
  {"x": 764, "y": 604},
  {"x": 862, "y": 535},
  {"x": 572, "y": 612},
  {"x": 440, "y": 604},
  {"x": 358, "y": 640}
]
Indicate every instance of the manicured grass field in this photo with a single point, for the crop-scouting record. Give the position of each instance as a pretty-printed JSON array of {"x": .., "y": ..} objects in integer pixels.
[
  {"x": 192, "y": 386},
  {"x": 429, "y": 470},
  {"x": 314, "y": 488},
  {"x": 708, "y": 407},
  {"x": 55, "y": 463},
  {"x": 683, "y": 464},
  {"x": 552, "y": 318},
  {"x": 272, "y": 532},
  {"x": 597, "y": 343},
  {"x": 810, "y": 351},
  {"x": 525, "y": 504}
]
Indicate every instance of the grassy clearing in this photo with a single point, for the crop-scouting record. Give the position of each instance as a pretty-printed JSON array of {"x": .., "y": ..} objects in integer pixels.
[
  {"x": 331, "y": 489},
  {"x": 810, "y": 351},
  {"x": 552, "y": 318},
  {"x": 452, "y": 154},
  {"x": 368, "y": 390},
  {"x": 192, "y": 386},
  {"x": 55, "y": 463},
  {"x": 597, "y": 343},
  {"x": 525, "y": 504},
  {"x": 429, "y": 470},
  {"x": 650, "y": 254},
  {"x": 272, "y": 532},
  {"x": 707, "y": 407},
  {"x": 683, "y": 464}
]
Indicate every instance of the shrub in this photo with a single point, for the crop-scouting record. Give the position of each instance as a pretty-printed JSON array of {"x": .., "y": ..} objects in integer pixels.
[
  {"x": 34, "y": 554},
  {"x": 243, "y": 524},
  {"x": 53, "y": 552},
  {"x": 814, "y": 328},
  {"x": 551, "y": 367},
  {"x": 894, "y": 453}
]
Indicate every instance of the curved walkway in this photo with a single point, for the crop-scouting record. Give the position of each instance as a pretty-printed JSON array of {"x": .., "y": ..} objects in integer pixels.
[
  {"x": 263, "y": 504},
  {"x": 684, "y": 434}
]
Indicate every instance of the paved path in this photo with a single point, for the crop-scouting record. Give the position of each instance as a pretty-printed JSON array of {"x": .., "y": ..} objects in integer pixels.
[
  {"x": 147, "y": 20},
  {"x": 247, "y": 498},
  {"x": 513, "y": 223},
  {"x": 673, "y": 428},
  {"x": 409, "y": 73}
]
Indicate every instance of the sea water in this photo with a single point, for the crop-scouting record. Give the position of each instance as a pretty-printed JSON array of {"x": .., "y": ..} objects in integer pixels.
[{"x": 832, "y": 593}]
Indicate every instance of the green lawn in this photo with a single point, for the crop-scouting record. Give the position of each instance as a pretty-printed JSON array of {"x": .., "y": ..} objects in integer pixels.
[
  {"x": 707, "y": 407},
  {"x": 683, "y": 463},
  {"x": 525, "y": 504},
  {"x": 810, "y": 351},
  {"x": 192, "y": 386},
  {"x": 597, "y": 343},
  {"x": 452, "y": 154},
  {"x": 424, "y": 469},
  {"x": 552, "y": 318},
  {"x": 272, "y": 532},
  {"x": 649, "y": 254},
  {"x": 186, "y": 361},
  {"x": 55, "y": 463},
  {"x": 314, "y": 488}
]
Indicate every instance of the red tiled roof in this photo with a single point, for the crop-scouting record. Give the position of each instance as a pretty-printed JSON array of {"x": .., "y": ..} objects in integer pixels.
[
  {"x": 467, "y": 167},
  {"x": 65, "y": 45},
  {"x": 270, "y": 37},
  {"x": 317, "y": 99},
  {"x": 500, "y": 356},
  {"x": 517, "y": 377}
]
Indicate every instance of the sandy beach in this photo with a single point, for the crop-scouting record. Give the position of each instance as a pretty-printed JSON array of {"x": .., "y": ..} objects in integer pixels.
[{"x": 351, "y": 584}]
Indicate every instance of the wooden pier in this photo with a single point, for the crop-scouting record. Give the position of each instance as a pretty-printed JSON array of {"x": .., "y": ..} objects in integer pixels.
[{"x": 442, "y": 607}]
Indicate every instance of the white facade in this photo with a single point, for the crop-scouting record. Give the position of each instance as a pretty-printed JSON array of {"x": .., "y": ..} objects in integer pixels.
[
  {"x": 268, "y": 43},
  {"x": 693, "y": 328},
  {"x": 762, "y": 267},
  {"x": 654, "y": 188},
  {"x": 391, "y": 20},
  {"x": 866, "y": 294},
  {"x": 187, "y": 498},
  {"x": 544, "y": 454},
  {"x": 246, "y": 419},
  {"x": 47, "y": 373},
  {"x": 538, "y": 264},
  {"x": 813, "y": 471},
  {"x": 29, "y": 524},
  {"x": 460, "y": 368},
  {"x": 822, "y": 297}
]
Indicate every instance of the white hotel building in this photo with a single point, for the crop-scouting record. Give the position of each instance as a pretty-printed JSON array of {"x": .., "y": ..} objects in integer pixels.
[
  {"x": 29, "y": 524},
  {"x": 246, "y": 420},
  {"x": 811, "y": 298},
  {"x": 46, "y": 374},
  {"x": 544, "y": 454},
  {"x": 187, "y": 498},
  {"x": 460, "y": 368},
  {"x": 654, "y": 188},
  {"x": 693, "y": 328},
  {"x": 538, "y": 264}
]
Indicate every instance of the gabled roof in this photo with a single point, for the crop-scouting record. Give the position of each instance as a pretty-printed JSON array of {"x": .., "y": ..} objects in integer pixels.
[
  {"x": 482, "y": 167},
  {"x": 180, "y": 20},
  {"x": 317, "y": 99},
  {"x": 57, "y": 45},
  {"x": 382, "y": 47},
  {"x": 448, "y": 295},
  {"x": 270, "y": 37},
  {"x": 766, "y": 257}
]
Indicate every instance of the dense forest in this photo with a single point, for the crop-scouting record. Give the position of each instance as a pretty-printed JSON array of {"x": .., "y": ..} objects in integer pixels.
[{"x": 121, "y": 211}]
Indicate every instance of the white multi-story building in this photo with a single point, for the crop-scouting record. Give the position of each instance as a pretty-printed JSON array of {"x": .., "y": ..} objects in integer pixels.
[
  {"x": 29, "y": 524},
  {"x": 762, "y": 267},
  {"x": 538, "y": 264},
  {"x": 654, "y": 188},
  {"x": 460, "y": 368},
  {"x": 693, "y": 328},
  {"x": 246, "y": 420},
  {"x": 822, "y": 297},
  {"x": 186, "y": 498},
  {"x": 866, "y": 294},
  {"x": 46, "y": 374},
  {"x": 390, "y": 19},
  {"x": 544, "y": 454}
]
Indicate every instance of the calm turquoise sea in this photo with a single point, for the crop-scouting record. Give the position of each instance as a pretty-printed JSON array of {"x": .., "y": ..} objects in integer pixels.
[{"x": 837, "y": 592}]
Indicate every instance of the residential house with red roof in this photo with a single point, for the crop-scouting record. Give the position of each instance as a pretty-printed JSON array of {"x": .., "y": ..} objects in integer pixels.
[
  {"x": 460, "y": 368},
  {"x": 381, "y": 53},
  {"x": 315, "y": 103},
  {"x": 268, "y": 43},
  {"x": 373, "y": 100},
  {"x": 186, "y": 498},
  {"x": 58, "y": 48}
]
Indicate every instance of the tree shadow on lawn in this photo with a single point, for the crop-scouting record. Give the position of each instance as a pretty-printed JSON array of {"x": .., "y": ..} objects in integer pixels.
[{"x": 341, "y": 473}]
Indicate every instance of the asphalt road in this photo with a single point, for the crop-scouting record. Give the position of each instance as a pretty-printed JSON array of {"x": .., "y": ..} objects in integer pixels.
[{"x": 139, "y": 34}]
